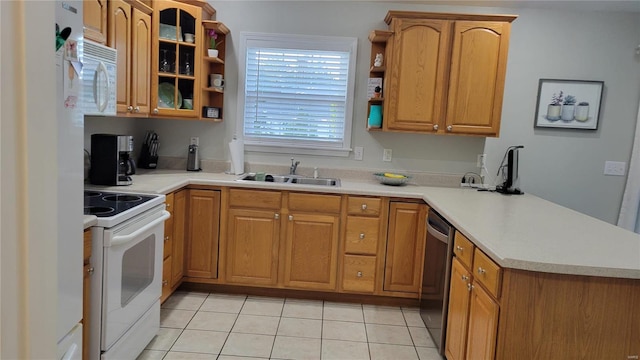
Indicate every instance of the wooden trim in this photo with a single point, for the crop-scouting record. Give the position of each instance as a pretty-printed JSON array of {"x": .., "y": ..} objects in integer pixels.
[
  {"x": 382, "y": 36},
  {"x": 299, "y": 294},
  {"x": 446, "y": 16},
  {"x": 136, "y": 4},
  {"x": 216, "y": 25}
]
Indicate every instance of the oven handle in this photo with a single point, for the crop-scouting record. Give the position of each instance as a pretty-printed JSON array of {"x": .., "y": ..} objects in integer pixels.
[
  {"x": 122, "y": 239},
  {"x": 437, "y": 234}
]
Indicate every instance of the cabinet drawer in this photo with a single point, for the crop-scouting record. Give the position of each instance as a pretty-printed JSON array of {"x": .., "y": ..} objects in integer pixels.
[
  {"x": 87, "y": 246},
  {"x": 358, "y": 205},
  {"x": 487, "y": 272},
  {"x": 359, "y": 273},
  {"x": 255, "y": 199},
  {"x": 314, "y": 203},
  {"x": 362, "y": 235},
  {"x": 463, "y": 248}
]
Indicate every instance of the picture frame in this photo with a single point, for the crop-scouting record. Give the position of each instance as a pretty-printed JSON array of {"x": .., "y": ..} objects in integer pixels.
[{"x": 568, "y": 104}]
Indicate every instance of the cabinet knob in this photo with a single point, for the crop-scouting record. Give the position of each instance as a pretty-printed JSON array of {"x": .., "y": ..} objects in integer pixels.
[
  {"x": 465, "y": 277},
  {"x": 155, "y": 110},
  {"x": 276, "y": 216},
  {"x": 290, "y": 217},
  {"x": 364, "y": 206},
  {"x": 435, "y": 127},
  {"x": 459, "y": 248},
  {"x": 469, "y": 287},
  {"x": 136, "y": 109},
  {"x": 129, "y": 108},
  {"x": 361, "y": 235},
  {"x": 481, "y": 270},
  {"x": 359, "y": 274},
  {"x": 90, "y": 270},
  {"x": 449, "y": 128},
  {"x": 165, "y": 282}
]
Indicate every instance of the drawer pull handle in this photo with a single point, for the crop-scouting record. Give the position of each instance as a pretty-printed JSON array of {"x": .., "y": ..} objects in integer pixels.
[
  {"x": 459, "y": 248},
  {"x": 364, "y": 206},
  {"x": 90, "y": 270},
  {"x": 481, "y": 271},
  {"x": 276, "y": 216},
  {"x": 359, "y": 274},
  {"x": 361, "y": 235}
]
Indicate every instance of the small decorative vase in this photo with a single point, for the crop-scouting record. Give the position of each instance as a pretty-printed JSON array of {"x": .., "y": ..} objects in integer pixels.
[
  {"x": 212, "y": 52},
  {"x": 582, "y": 112},
  {"x": 567, "y": 112},
  {"x": 375, "y": 116},
  {"x": 553, "y": 112}
]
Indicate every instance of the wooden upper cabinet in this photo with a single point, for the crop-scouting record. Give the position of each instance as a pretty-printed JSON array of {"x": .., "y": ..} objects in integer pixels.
[
  {"x": 447, "y": 72},
  {"x": 130, "y": 34},
  {"x": 414, "y": 93},
  {"x": 94, "y": 13},
  {"x": 476, "y": 85}
]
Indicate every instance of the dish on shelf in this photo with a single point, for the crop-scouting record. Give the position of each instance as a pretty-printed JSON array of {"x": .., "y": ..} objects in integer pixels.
[
  {"x": 165, "y": 96},
  {"x": 168, "y": 32},
  {"x": 392, "y": 178}
]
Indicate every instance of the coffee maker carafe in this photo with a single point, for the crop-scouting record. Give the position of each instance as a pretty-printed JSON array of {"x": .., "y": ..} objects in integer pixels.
[{"x": 111, "y": 160}]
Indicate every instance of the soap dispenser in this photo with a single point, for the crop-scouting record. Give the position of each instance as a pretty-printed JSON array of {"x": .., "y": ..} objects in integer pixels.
[{"x": 193, "y": 160}]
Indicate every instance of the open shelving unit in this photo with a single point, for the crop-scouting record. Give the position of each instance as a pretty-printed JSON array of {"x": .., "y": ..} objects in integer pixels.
[{"x": 378, "y": 39}]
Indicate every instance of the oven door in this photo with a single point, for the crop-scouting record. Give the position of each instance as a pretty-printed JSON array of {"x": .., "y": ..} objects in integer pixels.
[{"x": 132, "y": 272}]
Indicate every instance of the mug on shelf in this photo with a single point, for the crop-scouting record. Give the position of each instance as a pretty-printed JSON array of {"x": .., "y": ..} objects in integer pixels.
[
  {"x": 216, "y": 80},
  {"x": 188, "y": 38}
]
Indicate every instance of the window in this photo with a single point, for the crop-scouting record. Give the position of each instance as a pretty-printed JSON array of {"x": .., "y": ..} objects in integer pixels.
[{"x": 298, "y": 93}]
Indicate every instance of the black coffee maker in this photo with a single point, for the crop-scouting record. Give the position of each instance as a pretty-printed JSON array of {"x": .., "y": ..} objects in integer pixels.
[{"x": 111, "y": 160}]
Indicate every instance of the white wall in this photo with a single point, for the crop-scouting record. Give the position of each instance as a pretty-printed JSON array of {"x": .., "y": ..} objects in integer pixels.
[{"x": 562, "y": 166}]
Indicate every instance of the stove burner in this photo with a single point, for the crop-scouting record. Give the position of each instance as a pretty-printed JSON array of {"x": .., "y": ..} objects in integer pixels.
[
  {"x": 97, "y": 210},
  {"x": 92, "y": 193},
  {"x": 122, "y": 197}
]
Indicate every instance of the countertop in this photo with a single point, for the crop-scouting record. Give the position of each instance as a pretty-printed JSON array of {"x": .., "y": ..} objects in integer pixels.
[
  {"x": 516, "y": 231},
  {"x": 89, "y": 221}
]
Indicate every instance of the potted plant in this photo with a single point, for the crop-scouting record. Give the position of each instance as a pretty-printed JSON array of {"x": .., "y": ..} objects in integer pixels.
[
  {"x": 568, "y": 108},
  {"x": 582, "y": 111},
  {"x": 377, "y": 92},
  {"x": 213, "y": 36},
  {"x": 553, "y": 110}
]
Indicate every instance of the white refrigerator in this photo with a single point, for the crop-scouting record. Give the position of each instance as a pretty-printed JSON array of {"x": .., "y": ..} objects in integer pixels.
[{"x": 70, "y": 121}]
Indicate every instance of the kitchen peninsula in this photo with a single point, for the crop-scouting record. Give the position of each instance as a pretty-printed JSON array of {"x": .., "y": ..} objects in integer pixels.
[{"x": 570, "y": 285}]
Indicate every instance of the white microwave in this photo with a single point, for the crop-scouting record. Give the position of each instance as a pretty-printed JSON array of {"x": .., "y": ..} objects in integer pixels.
[{"x": 99, "y": 79}]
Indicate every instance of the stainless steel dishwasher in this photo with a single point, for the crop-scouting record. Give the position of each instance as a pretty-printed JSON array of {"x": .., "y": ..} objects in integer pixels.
[{"x": 434, "y": 298}]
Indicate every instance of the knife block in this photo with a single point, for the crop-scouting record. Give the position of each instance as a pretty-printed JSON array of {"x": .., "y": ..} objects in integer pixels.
[{"x": 146, "y": 160}]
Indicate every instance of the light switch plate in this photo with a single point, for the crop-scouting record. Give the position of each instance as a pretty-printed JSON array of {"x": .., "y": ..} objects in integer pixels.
[
  {"x": 387, "y": 155},
  {"x": 358, "y": 152},
  {"x": 615, "y": 168},
  {"x": 194, "y": 140}
]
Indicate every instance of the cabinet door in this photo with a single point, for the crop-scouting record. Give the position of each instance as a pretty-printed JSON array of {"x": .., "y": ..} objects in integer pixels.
[
  {"x": 405, "y": 247},
  {"x": 175, "y": 71},
  {"x": 94, "y": 14},
  {"x": 204, "y": 226},
  {"x": 476, "y": 85},
  {"x": 311, "y": 251},
  {"x": 458, "y": 313},
  {"x": 166, "y": 279},
  {"x": 252, "y": 246},
  {"x": 414, "y": 92},
  {"x": 120, "y": 39},
  {"x": 483, "y": 325},
  {"x": 179, "y": 223},
  {"x": 140, "y": 62}
]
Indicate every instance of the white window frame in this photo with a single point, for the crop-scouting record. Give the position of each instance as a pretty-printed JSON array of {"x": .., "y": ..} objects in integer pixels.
[{"x": 329, "y": 43}]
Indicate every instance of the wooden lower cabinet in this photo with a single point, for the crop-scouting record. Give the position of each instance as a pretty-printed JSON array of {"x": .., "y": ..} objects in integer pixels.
[
  {"x": 458, "y": 314},
  {"x": 483, "y": 325},
  {"x": 203, "y": 233},
  {"x": 311, "y": 251},
  {"x": 252, "y": 246},
  {"x": 405, "y": 247},
  {"x": 179, "y": 233},
  {"x": 166, "y": 279},
  {"x": 358, "y": 273}
]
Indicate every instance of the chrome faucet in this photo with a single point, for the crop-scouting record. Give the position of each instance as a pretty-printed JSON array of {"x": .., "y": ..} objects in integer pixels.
[{"x": 294, "y": 166}]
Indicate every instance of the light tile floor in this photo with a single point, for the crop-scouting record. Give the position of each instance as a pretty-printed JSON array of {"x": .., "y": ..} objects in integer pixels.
[{"x": 196, "y": 325}]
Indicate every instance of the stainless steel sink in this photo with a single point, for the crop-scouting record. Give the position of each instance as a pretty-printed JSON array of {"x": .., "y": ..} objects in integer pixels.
[{"x": 292, "y": 179}]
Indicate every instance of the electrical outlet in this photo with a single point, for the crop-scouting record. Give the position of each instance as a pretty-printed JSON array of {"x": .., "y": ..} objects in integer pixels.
[
  {"x": 358, "y": 152},
  {"x": 195, "y": 140},
  {"x": 386, "y": 155},
  {"x": 481, "y": 162},
  {"x": 615, "y": 168}
]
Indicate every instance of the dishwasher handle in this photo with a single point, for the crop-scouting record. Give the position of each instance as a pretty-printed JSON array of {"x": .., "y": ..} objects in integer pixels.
[{"x": 437, "y": 234}]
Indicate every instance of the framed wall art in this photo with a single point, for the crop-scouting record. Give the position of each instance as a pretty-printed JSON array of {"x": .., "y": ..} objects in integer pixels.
[{"x": 569, "y": 104}]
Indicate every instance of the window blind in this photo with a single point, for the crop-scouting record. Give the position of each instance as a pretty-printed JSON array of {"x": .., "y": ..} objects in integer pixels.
[{"x": 295, "y": 95}]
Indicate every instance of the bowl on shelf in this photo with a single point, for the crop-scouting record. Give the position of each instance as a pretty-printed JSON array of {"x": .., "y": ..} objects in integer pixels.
[{"x": 389, "y": 178}]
